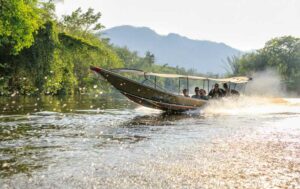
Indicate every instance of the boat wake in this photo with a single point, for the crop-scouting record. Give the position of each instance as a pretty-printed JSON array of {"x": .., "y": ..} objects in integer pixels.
[{"x": 253, "y": 105}]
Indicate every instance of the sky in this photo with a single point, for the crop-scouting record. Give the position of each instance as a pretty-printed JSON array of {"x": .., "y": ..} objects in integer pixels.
[{"x": 242, "y": 24}]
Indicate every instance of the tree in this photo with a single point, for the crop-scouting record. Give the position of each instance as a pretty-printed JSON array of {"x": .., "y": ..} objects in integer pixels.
[
  {"x": 232, "y": 65},
  {"x": 284, "y": 54},
  {"x": 19, "y": 20},
  {"x": 281, "y": 54},
  {"x": 84, "y": 22},
  {"x": 149, "y": 58},
  {"x": 47, "y": 10}
]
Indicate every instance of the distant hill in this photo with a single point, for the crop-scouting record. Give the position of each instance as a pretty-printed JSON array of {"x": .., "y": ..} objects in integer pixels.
[{"x": 173, "y": 49}]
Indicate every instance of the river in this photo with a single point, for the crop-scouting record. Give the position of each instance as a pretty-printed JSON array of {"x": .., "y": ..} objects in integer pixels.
[{"x": 104, "y": 142}]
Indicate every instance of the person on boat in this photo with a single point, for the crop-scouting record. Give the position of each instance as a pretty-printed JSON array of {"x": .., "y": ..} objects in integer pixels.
[
  {"x": 216, "y": 92},
  {"x": 197, "y": 93},
  {"x": 229, "y": 91},
  {"x": 202, "y": 93},
  {"x": 226, "y": 89},
  {"x": 185, "y": 93}
]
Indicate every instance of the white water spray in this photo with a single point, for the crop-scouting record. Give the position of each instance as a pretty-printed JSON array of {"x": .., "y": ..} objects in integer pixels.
[{"x": 266, "y": 84}]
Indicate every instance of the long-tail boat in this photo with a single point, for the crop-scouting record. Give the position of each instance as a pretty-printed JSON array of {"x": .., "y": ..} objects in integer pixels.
[{"x": 154, "y": 96}]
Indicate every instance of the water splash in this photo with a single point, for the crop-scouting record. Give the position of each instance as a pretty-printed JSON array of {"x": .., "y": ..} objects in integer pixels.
[
  {"x": 253, "y": 105},
  {"x": 267, "y": 84},
  {"x": 145, "y": 110}
]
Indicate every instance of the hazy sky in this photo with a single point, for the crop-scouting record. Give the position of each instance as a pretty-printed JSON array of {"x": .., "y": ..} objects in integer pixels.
[{"x": 243, "y": 24}]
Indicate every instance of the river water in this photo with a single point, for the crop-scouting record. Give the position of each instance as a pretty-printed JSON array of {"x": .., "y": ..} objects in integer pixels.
[{"x": 104, "y": 142}]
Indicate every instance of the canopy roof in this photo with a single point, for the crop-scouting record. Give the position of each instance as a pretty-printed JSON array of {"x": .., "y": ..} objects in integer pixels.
[{"x": 241, "y": 79}]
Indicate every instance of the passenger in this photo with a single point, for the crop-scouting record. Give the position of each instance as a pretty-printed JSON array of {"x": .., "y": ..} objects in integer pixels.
[
  {"x": 203, "y": 94},
  {"x": 234, "y": 92},
  {"x": 185, "y": 93},
  {"x": 197, "y": 93},
  {"x": 226, "y": 89},
  {"x": 216, "y": 92},
  {"x": 229, "y": 92}
]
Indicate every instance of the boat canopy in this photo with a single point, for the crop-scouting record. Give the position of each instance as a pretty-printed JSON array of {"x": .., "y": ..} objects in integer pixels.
[{"x": 240, "y": 79}]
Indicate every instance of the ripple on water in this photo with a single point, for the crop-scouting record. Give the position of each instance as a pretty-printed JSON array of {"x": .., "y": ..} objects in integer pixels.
[
  {"x": 133, "y": 148},
  {"x": 24, "y": 137}
]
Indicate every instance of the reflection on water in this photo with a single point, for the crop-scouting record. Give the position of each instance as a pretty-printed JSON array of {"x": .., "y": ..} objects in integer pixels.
[
  {"x": 23, "y": 105},
  {"x": 85, "y": 142},
  {"x": 162, "y": 119}
]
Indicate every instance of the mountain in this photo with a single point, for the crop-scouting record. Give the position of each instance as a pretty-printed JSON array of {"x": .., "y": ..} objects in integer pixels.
[{"x": 173, "y": 49}]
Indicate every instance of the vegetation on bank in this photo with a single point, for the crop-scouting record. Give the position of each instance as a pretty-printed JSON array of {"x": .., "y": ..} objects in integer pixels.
[
  {"x": 40, "y": 54},
  {"x": 281, "y": 54}
]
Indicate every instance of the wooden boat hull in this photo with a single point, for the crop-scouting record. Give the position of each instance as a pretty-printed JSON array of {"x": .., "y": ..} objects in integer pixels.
[{"x": 149, "y": 96}]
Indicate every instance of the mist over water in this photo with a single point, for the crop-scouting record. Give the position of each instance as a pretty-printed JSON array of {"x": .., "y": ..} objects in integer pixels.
[
  {"x": 266, "y": 84},
  {"x": 265, "y": 94},
  {"x": 253, "y": 105}
]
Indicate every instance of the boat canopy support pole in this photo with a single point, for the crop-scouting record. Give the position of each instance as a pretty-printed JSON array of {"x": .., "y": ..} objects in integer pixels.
[
  {"x": 187, "y": 83},
  {"x": 208, "y": 86},
  {"x": 155, "y": 81},
  {"x": 179, "y": 85},
  {"x": 146, "y": 79}
]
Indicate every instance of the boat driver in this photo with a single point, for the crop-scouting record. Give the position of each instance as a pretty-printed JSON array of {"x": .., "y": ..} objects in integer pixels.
[
  {"x": 229, "y": 91},
  {"x": 216, "y": 92},
  {"x": 226, "y": 89},
  {"x": 185, "y": 93}
]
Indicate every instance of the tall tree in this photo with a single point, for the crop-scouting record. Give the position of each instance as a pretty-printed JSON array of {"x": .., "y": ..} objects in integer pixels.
[
  {"x": 281, "y": 54},
  {"x": 84, "y": 22},
  {"x": 284, "y": 54},
  {"x": 47, "y": 10},
  {"x": 19, "y": 20},
  {"x": 149, "y": 58}
]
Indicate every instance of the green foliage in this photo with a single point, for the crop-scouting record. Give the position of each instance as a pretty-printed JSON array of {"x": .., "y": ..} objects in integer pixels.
[
  {"x": 31, "y": 63},
  {"x": 58, "y": 55},
  {"x": 82, "y": 23},
  {"x": 282, "y": 54},
  {"x": 57, "y": 63},
  {"x": 53, "y": 62},
  {"x": 19, "y": 20},
  {"x": 47, "y": 10},
  {"x": 81, "y": 54},
  {"x": 149, "y": 58},
  {"x": 147, "y": 63}
]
